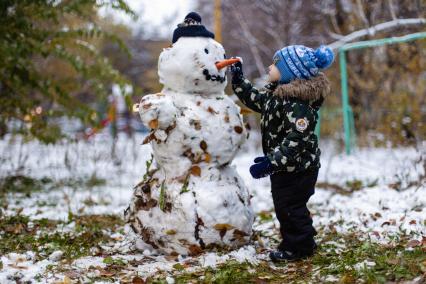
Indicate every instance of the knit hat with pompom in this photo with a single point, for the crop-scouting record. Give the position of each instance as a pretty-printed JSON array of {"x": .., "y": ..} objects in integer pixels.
[
  {"x": 191, "y": 27},
  {"x": 301, "y": 62}
]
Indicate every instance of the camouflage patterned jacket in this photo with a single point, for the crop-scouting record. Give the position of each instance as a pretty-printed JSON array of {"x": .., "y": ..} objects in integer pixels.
[{"x": 289, "y": 114}]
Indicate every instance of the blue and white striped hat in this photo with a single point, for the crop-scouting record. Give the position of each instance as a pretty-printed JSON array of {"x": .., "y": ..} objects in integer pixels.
[{"x": 301, "y": 62}]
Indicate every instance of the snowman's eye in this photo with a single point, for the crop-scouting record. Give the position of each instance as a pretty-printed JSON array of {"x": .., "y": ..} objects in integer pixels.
[{"x": 206, "y": 50}]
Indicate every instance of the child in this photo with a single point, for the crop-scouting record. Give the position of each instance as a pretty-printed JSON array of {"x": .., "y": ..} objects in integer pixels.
[{"x": 289, "y": 107}]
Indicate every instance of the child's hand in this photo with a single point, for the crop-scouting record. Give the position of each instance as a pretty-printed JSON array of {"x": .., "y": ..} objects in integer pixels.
[
  {"x": 237, "y": 72},
  {"x": 261, "y": 168}
]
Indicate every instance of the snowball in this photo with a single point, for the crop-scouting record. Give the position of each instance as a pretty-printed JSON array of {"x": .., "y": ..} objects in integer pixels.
[{"x": 56, "y": 255}]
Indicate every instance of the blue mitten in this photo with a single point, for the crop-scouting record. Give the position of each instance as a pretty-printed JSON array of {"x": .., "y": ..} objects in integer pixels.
[{"x": 261, "y": 168}]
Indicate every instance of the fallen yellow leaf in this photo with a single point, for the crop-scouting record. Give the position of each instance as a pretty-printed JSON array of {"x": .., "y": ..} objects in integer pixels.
[
  {"x": 153, "y": 124},
  {"x": 196, "y": 171}
]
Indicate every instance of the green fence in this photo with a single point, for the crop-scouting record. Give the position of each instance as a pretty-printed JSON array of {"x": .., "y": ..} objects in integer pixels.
[{"x": 348, "y": 117}]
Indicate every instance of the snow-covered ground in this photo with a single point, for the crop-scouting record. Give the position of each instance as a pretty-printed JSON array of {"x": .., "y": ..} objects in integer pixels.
[{"x": 379, "y": 192}]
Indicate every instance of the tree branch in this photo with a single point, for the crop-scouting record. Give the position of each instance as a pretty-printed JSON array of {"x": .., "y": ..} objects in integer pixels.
[{"x": 377, "y": 28}]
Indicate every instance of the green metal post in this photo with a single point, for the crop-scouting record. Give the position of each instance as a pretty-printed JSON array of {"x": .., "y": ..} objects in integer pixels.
[
  {"x": 348, "y": 119},
  {"x": 383, "y": 41},
  {"x": 345, "y": 101},
  {"x": 352, "y": 126}
]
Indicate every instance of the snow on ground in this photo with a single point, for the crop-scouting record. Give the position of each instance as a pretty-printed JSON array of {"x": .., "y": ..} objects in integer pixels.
[{"x": 377, "y": 191}]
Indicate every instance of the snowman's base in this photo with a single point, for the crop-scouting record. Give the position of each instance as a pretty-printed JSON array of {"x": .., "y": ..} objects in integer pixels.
[
  {"x": 195, "y": 250},
  {"x": 192, "y": 214}
]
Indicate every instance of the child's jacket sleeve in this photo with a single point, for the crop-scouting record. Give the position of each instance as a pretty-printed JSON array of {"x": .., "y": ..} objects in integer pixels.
[
  {"x": 249, "y": 95},
  {"x": 299, "y": 148}
]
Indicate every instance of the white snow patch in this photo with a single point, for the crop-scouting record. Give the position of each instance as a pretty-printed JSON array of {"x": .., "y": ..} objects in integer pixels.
[{"x": 379, "y": 211}]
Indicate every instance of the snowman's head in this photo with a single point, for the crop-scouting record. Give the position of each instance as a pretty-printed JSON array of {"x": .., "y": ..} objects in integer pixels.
[{"x": 189, "y": 66}]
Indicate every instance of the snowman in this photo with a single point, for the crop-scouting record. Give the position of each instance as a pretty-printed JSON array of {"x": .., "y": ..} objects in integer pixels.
[{"x": 191, "y": 199}]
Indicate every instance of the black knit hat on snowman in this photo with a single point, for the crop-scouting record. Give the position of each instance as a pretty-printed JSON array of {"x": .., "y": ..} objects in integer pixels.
[{"x": 191, "y": 27}]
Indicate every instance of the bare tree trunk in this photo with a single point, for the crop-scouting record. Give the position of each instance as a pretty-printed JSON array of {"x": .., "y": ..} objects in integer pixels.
[{"x": 251, "y": 40}]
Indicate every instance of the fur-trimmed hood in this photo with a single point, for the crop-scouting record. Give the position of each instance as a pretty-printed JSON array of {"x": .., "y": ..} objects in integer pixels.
[{"x": 311, "y": 90}]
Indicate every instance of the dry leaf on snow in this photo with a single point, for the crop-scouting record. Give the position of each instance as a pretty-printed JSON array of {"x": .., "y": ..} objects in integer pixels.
[
  {"x": 196, "y": 171},
  {"x": 153, "y": 124}
]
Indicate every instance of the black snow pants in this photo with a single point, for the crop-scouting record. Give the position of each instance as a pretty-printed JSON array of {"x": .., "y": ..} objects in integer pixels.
[{"x": 290, "y": 193}]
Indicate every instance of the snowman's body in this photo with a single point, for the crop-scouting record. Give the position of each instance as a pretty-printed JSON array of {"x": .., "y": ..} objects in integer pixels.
[{"x": 193, "y": 199}]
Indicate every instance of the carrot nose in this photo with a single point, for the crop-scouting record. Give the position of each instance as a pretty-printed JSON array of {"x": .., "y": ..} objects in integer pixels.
[{"x": 223, "y": 63}]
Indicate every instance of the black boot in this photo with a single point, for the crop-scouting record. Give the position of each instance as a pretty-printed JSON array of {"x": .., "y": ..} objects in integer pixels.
[{"x": 284, "y": 255}]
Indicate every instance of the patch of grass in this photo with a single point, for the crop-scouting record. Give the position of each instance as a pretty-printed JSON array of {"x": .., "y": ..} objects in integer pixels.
[
  {"x": 343, "y": 258},
  {"x": 235, "y": 272},
  {"x": 265, "y": 216},
  {"x": 95, "y": 223},
  {"x": 46, "y": 203},
  {"x": 229, "y": 272},
  {"x": 23, "y": 184},
  {"x": 19, "y": 234},
  {"x": 27, "y": 185},
  {"x": 354, "y": 185},
  {"x": 114, "y": 261},
  {"x": 94, "y": 180},
  {"x": 350, "y": 258},
  {"x": 339, "y": 257},
  {"x": 81, "y": 182}
]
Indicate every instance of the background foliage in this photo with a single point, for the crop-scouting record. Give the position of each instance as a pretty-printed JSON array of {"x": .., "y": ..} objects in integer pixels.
[
  {"x": 59, "y": 58},
  {"x": 51, "y": 65}
]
